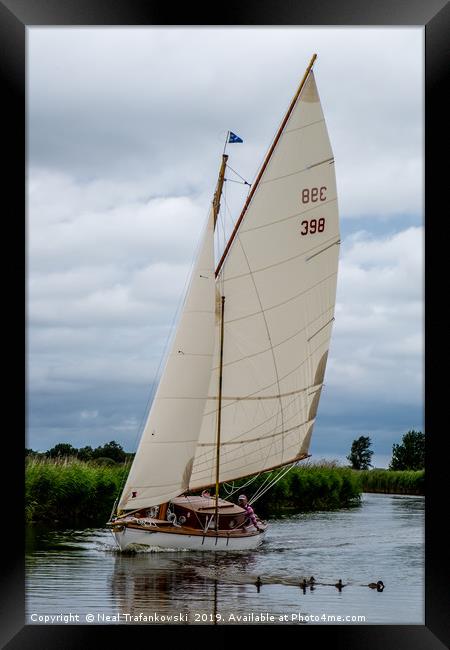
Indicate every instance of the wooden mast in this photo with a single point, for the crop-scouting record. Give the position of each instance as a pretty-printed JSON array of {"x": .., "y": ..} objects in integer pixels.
[
  {"x": 219, "y": 416},
  {"x": 216, "y": 208},
  {"x": 218, "y": 192},
  {"x": 265, "y": 163}
]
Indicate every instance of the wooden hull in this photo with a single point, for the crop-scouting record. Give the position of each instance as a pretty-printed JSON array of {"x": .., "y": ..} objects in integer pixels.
[{"x": 180, "y": 540}]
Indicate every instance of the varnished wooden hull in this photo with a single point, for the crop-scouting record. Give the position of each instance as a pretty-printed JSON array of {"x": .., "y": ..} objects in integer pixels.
[{"x": 186, "y": 540}]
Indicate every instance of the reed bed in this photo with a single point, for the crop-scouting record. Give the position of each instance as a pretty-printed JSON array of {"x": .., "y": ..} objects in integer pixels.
[
  {"x": 68, "y": 490},
  {"x": 388, "y": 481},
  {"x": 308, "y": 487}
]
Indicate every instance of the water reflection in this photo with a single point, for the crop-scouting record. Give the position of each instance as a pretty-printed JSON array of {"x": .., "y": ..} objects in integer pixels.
[{"x": 145, "y": 581}]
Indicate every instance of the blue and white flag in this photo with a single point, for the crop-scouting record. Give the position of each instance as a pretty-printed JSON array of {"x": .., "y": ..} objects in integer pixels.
[{"x": 234, "y": 138}]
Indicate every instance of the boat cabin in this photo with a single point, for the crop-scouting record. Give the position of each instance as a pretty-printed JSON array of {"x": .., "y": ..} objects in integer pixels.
[
  {"x": 199, "y": 512},
  {"x": 196, "y": 512}
]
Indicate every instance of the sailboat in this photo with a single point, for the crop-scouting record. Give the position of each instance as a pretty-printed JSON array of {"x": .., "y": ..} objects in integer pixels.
[{"x": 243, "y": 377}]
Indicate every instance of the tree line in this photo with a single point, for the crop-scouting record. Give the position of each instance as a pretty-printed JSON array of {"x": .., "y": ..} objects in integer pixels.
[
  {"x": 111, "y": 451},
  {"x": 409, "y": 455}
]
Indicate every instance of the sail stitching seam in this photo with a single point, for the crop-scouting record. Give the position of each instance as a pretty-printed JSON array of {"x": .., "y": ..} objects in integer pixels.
[
  {"x": 305, "y": 126},
  {"x": 267, "y": 434},
  {"x": 251, "y": 453},
  {"x": 275, "y": 264},
  {"x": 273, "y": 384},
  {"x": 285, "y": 302},
  {"x": 277, "y": 345}
]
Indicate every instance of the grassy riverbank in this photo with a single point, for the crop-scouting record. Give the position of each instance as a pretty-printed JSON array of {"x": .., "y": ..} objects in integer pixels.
[
  {"x": 306, "y": 488},
  {"x": 72, "y": 492},
  {"x": 387, "y": 481}
]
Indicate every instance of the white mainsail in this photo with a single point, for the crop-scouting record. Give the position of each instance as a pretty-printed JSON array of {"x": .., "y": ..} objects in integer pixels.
[
  {"x": 162, "y": 466},
  {"x": 279, "y": 282}
]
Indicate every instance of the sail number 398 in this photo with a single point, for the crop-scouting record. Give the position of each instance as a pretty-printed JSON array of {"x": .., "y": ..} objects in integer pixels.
[{"x": 312, "y": 226}]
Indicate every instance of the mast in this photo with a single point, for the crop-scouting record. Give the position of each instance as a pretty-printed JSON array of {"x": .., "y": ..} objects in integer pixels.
[
  {"x": 265, "y": 163},
  {"x": 219, "y": 415},
  {"x": 216, "y": 208},
  {"x": 218, "y": 192}
]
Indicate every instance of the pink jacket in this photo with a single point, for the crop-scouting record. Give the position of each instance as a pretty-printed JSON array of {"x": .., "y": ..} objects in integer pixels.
[{"x": 251, "y": 514}]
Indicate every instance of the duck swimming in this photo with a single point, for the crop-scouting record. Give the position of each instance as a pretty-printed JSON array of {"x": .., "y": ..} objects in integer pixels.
[
  {"x": 339, "y": 584},
  {"x": 303, "y": 585},
  {"x": 258, "y": 583},
  {"x": 379, "y": 586}
]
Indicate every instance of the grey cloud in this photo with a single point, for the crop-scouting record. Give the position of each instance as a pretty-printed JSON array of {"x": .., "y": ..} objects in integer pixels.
[{"x": 125, "y": 131}]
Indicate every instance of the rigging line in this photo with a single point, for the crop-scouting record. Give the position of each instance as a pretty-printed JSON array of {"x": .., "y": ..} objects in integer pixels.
[
  {"x": 279, "y": 477},
  {"x": 260, "y": 491},
  {"x": 241, "y": 177},
  {"x": 245, "y": 468},
  {"x": 239, "y": 488},
  {"x": 228, "y": 212},
  {"x": 259, "y": 488},
  {"x": 231, "y": 180}
]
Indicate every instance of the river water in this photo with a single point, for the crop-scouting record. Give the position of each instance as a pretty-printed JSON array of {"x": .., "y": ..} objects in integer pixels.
[{"x": 78, "y": 576}]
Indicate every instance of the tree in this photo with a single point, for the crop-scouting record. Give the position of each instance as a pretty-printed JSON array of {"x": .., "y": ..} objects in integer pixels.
[
  {"x": 411, "y": 453},
  {"x": 62, "y": 449},
  {"x": 85, "y": 453},
  {"x": 110, "y": 450},
  {"x": 360, "y": 454}
]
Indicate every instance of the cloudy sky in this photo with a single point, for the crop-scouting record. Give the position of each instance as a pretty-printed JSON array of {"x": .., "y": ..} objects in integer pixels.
[{"x": 126, "y": 128}]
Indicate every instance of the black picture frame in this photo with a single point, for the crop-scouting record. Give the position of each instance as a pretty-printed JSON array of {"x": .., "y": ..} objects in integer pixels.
[{"x": 15, "y": 17}]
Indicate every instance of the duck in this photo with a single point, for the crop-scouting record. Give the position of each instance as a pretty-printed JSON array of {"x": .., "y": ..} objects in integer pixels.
[
  {"x": 312, "y": 580},
  {"x": 303, "y": 584},
  {"x": 339, "y": 584},
  {"x": 258, "y": 582},
  {"x": 379, "y": 586}
]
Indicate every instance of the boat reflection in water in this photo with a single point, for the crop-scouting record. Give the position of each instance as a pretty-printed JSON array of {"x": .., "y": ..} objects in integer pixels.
[{"x": 173, "y": 584}]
